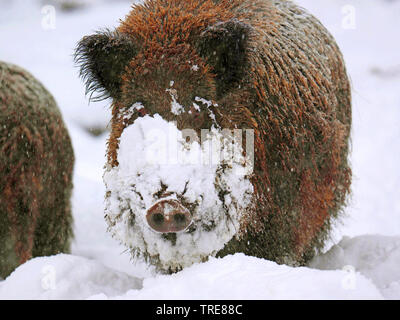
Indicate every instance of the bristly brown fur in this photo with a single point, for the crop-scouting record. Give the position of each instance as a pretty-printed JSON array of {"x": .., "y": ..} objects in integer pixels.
[
  {"x": 36, "y": 163},
  {"x": 289, "y": 85}
]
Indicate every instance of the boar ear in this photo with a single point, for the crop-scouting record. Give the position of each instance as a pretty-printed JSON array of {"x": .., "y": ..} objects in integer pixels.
[
  {"x": 102, "y": 59},
  {"x": 225, "y": 46}
]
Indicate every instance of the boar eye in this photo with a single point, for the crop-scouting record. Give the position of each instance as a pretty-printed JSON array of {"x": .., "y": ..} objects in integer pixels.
[{"x": 141, "y": 112}]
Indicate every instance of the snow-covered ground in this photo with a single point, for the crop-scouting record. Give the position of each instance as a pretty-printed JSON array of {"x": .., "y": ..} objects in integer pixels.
[{"x": 365, "y": 264}]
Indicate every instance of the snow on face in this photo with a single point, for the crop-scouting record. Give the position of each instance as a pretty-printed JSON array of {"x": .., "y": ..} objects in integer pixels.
[{"x": 155, "y": 158}]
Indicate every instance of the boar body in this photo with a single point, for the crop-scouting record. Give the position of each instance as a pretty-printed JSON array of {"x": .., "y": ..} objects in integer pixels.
[
  {"x": 267, "y": 66},
  {"x": 36, "y": 163}
]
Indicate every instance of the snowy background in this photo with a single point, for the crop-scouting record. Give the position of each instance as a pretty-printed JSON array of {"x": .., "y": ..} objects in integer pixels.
[{"x": 362, "y": 260}]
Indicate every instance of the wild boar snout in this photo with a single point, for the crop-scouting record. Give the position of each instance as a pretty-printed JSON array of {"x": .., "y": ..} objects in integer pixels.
[{"x": 168, "y": 216}]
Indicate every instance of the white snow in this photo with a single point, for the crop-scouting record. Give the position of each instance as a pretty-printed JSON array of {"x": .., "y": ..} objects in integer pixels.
[
  {"x": 176, "y": 108},
  {"x": 65, "y": 277},
  {"x": 364, "y": 265},
  {"x": 208, "y": 104},
  {"x": 127, "y": 114},
  {"x": 376, "y": 257},
  {"x": 234, "y": 277}
]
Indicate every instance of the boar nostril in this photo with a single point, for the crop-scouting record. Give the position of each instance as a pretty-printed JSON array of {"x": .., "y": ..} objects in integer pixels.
[
  {"x": 179, "y": 218},
  {"x": 158, "y": 218},
  {"x": 168, "y": 216}
]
